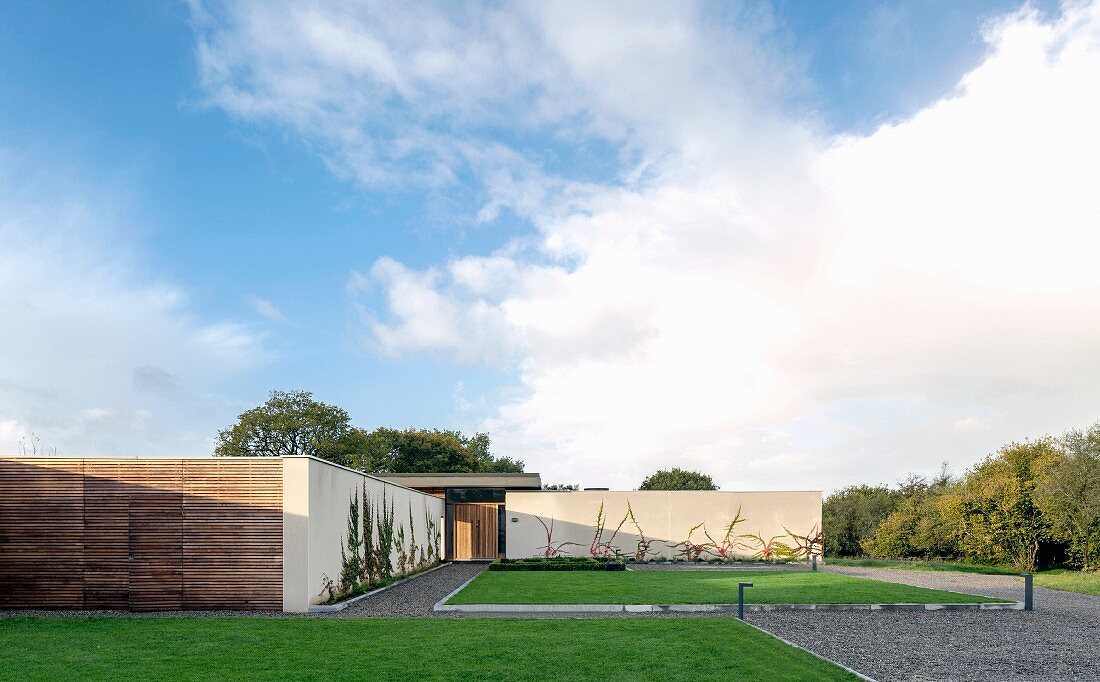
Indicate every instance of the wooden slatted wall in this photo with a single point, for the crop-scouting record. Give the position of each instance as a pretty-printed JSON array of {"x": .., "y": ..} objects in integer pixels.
[{"x": 153, "y": 534}]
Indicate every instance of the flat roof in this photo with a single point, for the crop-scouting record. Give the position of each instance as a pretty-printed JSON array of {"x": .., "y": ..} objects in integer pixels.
[{"x": 465, "y": 480}]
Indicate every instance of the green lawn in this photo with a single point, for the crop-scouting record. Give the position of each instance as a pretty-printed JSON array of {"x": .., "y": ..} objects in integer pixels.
[
  {"x": 692, "y": 587},
  {"x": 397, "y": 649},
  {"x": 924, "y": 566},
  {"x": 1070, "y": 581},
  {"x": 1055, "y": 579}
]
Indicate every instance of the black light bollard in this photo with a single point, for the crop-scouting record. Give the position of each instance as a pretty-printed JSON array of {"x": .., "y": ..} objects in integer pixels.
[
  {"x": 1029, "y": 595},
  {"x": 741, "y": 599},
  {"x": 813, "y": 563}
]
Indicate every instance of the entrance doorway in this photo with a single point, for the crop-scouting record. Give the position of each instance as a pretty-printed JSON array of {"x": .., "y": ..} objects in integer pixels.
[{"x": 476, "y": 531}]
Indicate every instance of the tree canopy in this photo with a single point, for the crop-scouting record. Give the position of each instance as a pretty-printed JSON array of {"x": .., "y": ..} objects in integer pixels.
[
  {"x": 1028, "y": 504},
  {"x": 996, "y": 500},
  {"x": 853, "y": 514},
  {"x": 289, "y": 423},
  {"x": 293, "y": 423},
  {"x": 387, "y": 450},
  {"x": 1068, "y": 493},
  {"x": 678, "y": 479}
]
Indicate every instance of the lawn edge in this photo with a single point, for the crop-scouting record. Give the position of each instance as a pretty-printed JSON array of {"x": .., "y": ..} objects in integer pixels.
[
  {"x": 443, "y": 602},
  {"x": 812, "y": 653},
  {"x": 442, "y": 607}
]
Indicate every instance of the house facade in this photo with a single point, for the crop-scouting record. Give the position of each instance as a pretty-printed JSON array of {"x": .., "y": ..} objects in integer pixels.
[{"x": 272, "y": 533}]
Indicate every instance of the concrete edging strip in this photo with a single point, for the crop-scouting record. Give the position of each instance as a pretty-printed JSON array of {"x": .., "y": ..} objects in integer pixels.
[
  {"x": 340, "y": 606},
  {"x": 443, "y": 606}
]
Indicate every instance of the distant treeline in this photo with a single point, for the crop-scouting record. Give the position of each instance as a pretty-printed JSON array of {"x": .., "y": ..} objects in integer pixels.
[{"x": 1029, "y": 505}]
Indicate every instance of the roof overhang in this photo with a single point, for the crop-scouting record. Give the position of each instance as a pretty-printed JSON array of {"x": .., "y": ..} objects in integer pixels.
[{"x": 507, "y": 481}]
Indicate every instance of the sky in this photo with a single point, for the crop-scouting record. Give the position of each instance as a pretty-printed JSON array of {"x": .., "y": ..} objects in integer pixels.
[{"x": 795, "y": 245}]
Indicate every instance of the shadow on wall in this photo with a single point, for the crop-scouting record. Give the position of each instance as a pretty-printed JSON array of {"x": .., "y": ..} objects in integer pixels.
[
  {"x": 646, "y": 526},
  {"x": 143, "y": 535}
]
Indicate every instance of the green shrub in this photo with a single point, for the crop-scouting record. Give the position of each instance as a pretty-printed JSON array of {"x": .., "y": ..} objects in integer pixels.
[
  {"x": 852, "y": 515},
  {"x": 549, "y": 564}
]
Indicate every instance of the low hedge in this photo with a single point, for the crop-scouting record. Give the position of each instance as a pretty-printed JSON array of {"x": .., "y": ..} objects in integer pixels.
[{"x": 549, "y": 564}]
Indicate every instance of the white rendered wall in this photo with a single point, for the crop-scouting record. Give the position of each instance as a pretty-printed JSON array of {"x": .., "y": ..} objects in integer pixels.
[
  {"x": 665, "y": 517},
  {"x": 316, "y": 495}
]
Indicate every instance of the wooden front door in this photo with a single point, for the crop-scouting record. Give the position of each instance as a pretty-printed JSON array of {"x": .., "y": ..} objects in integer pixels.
[{"x": 475, "y": 531}]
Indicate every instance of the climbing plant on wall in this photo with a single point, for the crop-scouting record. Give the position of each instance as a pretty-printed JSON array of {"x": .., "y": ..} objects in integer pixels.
[
  {"x": 412, "y": 564},
  {"x": 689, "y": 550},
  {"x": 642, "y": 550},
  {"x": 730, "y": 543},
  {"x": 771, "y": 549},
  {"x": 350, "y": 555},
  {"x": 384, "y": 548},
  {"x": 369, "y": 572},
  {"x": 431, "y": 551},
  {"x": 553, "y": 548},
  {"x": 601, "y": 548},
  {"x": 810, "y": 544},
  {"x": 402, "y": 555}
]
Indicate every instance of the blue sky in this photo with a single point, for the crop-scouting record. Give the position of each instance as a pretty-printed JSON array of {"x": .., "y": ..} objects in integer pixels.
[{"x": 459, "y": 216}]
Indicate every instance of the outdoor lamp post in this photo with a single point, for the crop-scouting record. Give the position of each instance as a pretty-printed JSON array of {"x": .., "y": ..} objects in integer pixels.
[{"x": 741, "y": 599}]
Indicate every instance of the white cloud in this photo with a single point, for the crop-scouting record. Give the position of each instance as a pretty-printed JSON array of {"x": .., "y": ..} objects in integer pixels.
[
  {"x": 267, "y": 309},
  {"x": 742, "y": 276},
  {"x": 98, "y": 357}
]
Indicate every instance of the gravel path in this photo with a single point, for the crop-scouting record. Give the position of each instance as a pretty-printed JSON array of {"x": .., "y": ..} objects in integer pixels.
[
  {"x": 1059, "y": 640},
  {"x": 413, "y": 597}
]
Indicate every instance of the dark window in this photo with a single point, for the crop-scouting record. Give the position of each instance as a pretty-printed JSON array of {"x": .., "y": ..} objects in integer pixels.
[{"x": 461, "y": 495}]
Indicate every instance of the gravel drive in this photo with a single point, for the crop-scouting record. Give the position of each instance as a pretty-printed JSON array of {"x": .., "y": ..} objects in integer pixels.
[
  {"x": 1059, "y": 640},
  {"x": 413, "y": 597}
]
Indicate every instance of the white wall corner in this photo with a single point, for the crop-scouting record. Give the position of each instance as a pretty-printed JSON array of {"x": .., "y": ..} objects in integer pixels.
[{"x": 296, "y": 595}]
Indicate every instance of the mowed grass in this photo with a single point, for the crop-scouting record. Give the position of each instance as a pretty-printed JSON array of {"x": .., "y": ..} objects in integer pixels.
[
  {"x": 925, "y": 566},
  {"x": 693, "y": 587},
  {"x": 397, "y": 649},
  {"x": 1070, "y": 581},
  {"x": 1055, "y": 579}
]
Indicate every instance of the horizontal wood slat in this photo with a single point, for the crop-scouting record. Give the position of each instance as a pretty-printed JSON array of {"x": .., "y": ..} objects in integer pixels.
[{"x": 152, "y": 534}]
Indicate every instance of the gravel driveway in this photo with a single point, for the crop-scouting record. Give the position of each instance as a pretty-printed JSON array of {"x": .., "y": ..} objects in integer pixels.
[{"x": 1059, "y": 640}]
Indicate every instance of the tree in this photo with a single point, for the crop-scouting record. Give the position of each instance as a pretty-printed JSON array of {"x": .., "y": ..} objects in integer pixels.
[
  {"x": 560, "y": 486},
  {"x": 1068, "y": 493},
  {"x": 289, "y": 423},
  {"x": 678, "y": 479},
  {"x": 387, "y": 450},
  {"x": 925, "y": 525},
  {"x": 1002, "y": 522},
  {"x": 853, "y": 514}
]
